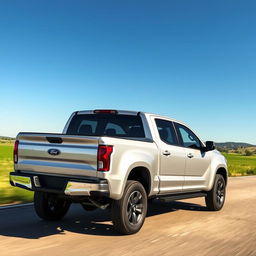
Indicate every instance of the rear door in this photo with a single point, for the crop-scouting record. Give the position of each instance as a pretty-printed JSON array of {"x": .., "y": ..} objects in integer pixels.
[
  {"x": 197, "y": 161},
  {"x": 172, "y": 158}
]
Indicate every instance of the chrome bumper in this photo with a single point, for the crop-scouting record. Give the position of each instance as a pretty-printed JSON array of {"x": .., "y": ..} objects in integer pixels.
[
  {"x": 21, "y": 180},
  {"x": 73, "y": 188}
]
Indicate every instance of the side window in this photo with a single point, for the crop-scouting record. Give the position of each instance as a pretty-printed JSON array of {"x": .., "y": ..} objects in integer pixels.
[
  {"x": 188, "y": 138},
  {"x": 166, "y": 131}
]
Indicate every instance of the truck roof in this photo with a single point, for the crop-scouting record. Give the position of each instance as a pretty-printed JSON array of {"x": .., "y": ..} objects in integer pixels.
[
  {"x": 128, "y": 112},
  {"x": 122, "y": 112}
]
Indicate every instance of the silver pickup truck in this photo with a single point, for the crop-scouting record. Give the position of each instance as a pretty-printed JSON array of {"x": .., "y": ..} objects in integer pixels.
[{"x": 117, "y": 159}]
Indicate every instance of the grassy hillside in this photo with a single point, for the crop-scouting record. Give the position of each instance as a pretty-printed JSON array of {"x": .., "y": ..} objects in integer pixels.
[
  {"x": 9, "y": 194},
  {"x": 238, "y": 165}
]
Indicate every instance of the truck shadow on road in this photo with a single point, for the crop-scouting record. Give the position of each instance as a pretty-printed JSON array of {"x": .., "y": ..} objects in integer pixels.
[{"x": 22, "y": 222}]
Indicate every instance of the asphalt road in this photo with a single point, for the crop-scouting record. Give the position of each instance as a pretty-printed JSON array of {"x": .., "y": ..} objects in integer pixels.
[{"x": 177, "y": 228}]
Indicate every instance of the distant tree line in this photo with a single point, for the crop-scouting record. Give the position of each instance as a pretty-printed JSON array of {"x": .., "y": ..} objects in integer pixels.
[
  {"x": 239, "y": 150},
  {"x": 6, "y": 138}
]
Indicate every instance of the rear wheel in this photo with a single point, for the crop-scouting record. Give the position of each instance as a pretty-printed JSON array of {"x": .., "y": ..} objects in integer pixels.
[
  {"x": 49, "y": 206},
  {"x": 128, "y": 213},
  {"x": 216, "y": 197}
]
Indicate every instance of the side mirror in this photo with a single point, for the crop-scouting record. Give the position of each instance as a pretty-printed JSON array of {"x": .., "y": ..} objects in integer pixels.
[{"x": 209, "y": 146}]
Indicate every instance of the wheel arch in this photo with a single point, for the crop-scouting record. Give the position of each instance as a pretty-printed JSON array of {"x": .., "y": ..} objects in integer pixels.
[
  {"x": 142, "y": 175},
  {"x": 222, "y": 171}
]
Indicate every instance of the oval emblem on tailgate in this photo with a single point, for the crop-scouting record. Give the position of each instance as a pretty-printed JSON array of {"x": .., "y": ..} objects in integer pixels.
[{"x": 54, "y": 151}]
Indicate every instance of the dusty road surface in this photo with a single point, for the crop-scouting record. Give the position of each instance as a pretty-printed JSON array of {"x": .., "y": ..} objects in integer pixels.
[{"x": 177, "y": 228}]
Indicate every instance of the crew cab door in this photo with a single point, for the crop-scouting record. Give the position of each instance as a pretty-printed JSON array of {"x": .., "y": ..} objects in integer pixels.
[
  {"x": 172, "y": 158},
  {"x": 197, "y": 161}
]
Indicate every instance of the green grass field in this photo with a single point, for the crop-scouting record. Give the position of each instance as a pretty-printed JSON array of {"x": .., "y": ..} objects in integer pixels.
[
  {"x": 238, "y": 165},
  {"x": 9, "y": 194}
]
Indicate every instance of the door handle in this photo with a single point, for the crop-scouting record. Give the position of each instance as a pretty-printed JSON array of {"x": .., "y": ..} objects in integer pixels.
[
  {"x": 166, "y": 153},
  {"x": 190, "y": 155}
]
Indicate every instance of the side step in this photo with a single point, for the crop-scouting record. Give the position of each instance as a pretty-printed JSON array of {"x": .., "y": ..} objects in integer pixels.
[{"x": 169, "y": 198}]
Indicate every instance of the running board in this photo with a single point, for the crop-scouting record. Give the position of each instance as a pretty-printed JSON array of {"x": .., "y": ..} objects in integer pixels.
[{"x": 169, "y": 198}]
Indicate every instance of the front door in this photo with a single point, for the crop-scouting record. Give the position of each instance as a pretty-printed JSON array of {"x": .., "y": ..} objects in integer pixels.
[{"x": 197, "y": 161}]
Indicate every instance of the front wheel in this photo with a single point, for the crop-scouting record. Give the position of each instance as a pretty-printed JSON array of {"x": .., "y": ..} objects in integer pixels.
[
  {"x": 128, "y": 213},
  {"x": 49, "y": 206},
  {"x": 216, "y": 197}
]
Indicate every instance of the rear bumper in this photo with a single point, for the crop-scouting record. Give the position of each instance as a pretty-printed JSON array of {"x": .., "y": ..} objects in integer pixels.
[
  {"x": 60, "y": 185},
  {"x": 75, "y": 188}
]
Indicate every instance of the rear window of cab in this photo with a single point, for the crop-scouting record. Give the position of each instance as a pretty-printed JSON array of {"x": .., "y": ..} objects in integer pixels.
[{"x": 113, "y": 125}]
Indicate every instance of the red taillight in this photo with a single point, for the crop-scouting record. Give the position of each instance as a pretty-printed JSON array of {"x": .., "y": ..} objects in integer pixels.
[
  {"x": 105, "y": 111},
  {"x": 104, "y": 153},
  {"x": 15, "y": 152}
]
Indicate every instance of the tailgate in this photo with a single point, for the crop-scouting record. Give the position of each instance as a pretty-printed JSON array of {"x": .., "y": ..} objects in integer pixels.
[{"x": 57, "y": 154}]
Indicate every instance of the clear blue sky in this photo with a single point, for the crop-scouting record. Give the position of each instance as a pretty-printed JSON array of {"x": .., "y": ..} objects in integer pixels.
[{"x": 191, "y": 60}]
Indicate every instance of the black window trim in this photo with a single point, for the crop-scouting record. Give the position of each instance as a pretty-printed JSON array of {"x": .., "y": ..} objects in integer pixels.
[
  {"x": 177, "y": 135},
  {"x": 180, "y": 138}
]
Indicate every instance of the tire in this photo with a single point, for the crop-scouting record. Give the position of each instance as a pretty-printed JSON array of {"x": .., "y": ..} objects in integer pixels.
[
  {"x": 216, "y": 197},
  {"x": 49, "y": 207},
  {"x": 128, "y": 213}
]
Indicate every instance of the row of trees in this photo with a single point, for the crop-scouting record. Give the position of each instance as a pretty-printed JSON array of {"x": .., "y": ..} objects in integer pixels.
[{"x": 241, "y": 151}]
